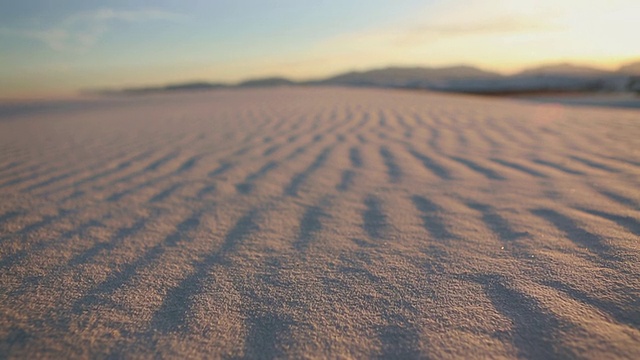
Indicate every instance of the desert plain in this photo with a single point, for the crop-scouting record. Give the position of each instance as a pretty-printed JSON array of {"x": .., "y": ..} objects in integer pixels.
[{"x": 320, "y": 222}]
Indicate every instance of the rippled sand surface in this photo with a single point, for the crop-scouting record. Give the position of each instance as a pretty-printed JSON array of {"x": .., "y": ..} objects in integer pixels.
[{"x": 320, "y": 222}]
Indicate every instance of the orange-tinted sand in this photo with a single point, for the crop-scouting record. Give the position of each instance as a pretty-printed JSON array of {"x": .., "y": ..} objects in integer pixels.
[{"x": 322, "y": 223}]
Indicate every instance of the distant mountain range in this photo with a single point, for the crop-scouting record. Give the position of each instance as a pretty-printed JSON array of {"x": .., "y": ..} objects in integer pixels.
[
  {"x": 562, "y": 77},
  {"x": 407, "y": 77}
]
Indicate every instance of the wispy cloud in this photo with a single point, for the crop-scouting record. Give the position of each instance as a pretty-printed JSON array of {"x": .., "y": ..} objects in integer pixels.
[
  {"x": 83, "y": 30},
  {"x": 496, "y": 26},
  {"x": 487, "y": 26}
]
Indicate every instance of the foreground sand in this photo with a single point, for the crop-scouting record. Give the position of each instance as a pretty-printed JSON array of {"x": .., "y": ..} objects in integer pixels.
[{"x": 320, "y": 223}]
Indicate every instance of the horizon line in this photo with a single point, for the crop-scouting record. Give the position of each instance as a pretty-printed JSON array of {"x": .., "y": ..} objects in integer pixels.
[{"x": 87, "y": 91}]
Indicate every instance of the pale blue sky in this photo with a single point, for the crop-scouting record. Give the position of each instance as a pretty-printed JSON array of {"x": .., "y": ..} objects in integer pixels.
[{"x": 56, "y": 47}]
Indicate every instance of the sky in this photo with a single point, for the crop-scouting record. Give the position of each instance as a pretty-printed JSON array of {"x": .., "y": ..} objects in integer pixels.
[{"x": 57, "y": 47}]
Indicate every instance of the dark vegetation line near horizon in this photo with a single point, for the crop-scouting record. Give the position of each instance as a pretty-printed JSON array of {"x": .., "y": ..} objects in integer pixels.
[{"x": 547, "y": 79}]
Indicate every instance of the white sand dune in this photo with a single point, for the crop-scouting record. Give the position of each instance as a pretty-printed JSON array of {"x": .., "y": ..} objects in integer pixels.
[{"x": 320, "y": 222}]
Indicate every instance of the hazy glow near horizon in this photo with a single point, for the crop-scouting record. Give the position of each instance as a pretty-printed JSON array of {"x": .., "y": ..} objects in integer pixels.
[{"x": 49, "y": 49}]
